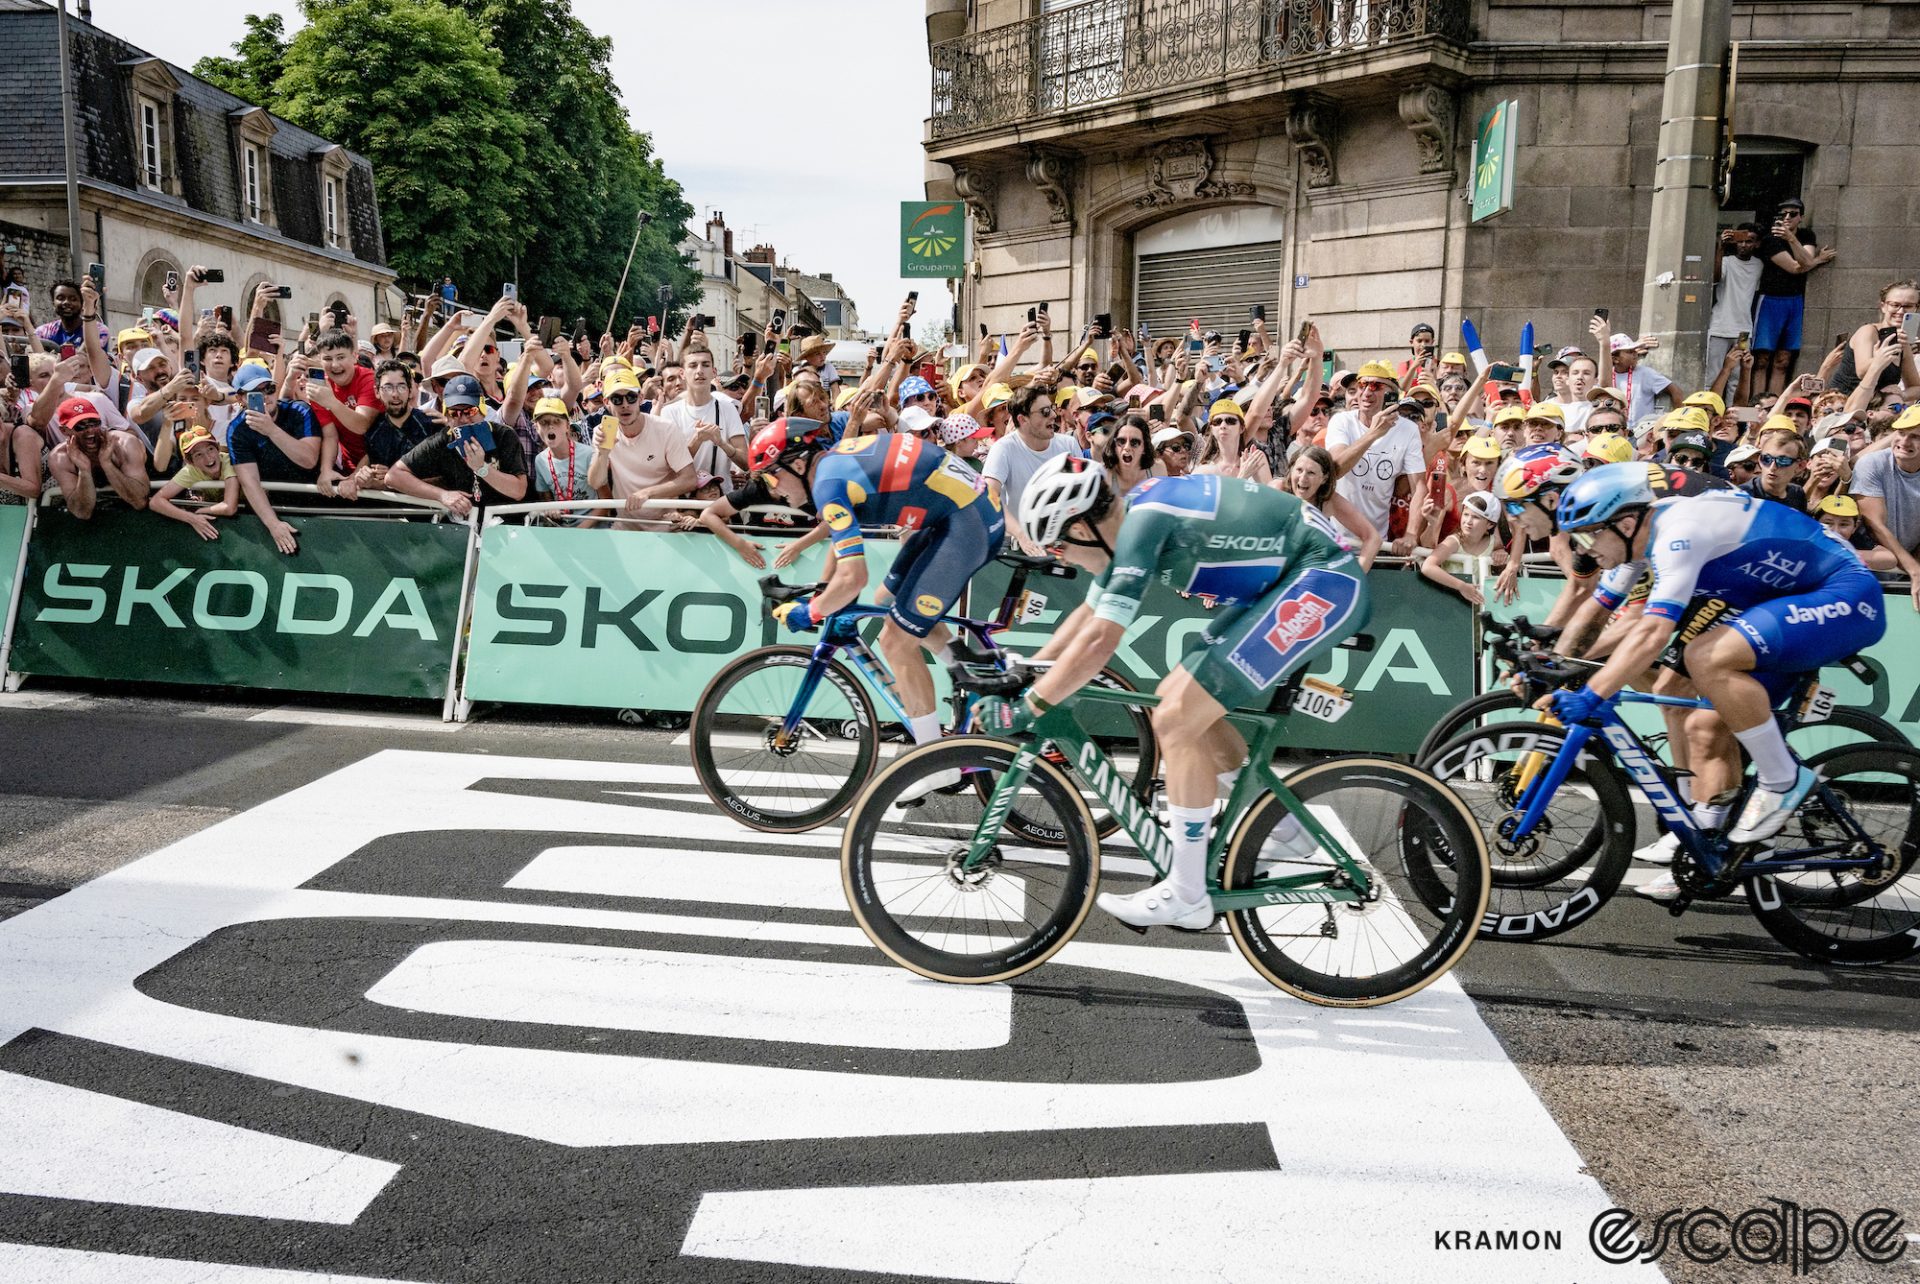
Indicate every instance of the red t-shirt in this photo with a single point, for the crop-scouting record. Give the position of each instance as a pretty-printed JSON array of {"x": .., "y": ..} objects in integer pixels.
[{"x": 359, "y": 394}]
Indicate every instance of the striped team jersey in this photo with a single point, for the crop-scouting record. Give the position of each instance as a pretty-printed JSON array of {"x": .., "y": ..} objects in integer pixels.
[{"x": 891, "y": 479}]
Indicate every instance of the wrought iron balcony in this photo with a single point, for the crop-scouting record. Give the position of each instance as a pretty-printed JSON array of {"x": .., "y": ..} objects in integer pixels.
[{"x": 1102, "y": 51}]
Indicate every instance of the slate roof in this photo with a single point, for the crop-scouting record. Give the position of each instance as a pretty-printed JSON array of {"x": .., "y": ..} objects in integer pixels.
[{"x": 204, "y": 147}]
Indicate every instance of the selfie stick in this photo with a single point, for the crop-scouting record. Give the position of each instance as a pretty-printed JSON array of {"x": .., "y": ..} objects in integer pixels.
[{"x": 640, "y": 225}]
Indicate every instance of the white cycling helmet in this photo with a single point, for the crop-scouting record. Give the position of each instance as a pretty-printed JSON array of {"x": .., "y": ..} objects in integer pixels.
[{"x": 1063, "y": 489}]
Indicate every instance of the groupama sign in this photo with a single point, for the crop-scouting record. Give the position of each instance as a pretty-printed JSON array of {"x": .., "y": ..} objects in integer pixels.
[{"x": 363, "y": 607}]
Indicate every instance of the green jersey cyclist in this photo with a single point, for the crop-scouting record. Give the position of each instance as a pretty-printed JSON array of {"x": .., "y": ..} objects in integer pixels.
[{"x": 1287, "y": 593}]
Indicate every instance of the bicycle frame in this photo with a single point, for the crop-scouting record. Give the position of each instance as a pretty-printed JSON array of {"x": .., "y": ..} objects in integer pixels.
[
  {"x": 1657, "y": 787},
  {"x": 1085, "y": 760}
]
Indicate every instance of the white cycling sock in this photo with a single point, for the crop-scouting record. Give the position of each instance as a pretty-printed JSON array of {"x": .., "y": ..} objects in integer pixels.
[
  {"x": 1768, "y": 749},
  {"x": 925, "y": 728},
  {"x": 1685, "y": 786},
  {"x": 1710, "y": 815},
  {"x": 1188, "y": 828}
]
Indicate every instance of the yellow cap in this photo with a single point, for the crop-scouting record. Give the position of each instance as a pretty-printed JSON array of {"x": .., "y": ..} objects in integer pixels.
[
  {"x": 1609, "y": 448},
  {"x": 1709, "y": 400},
  {"x": 1479, "y": 447},
  {"x": 1696, "y": 418},
  {"x": 550, "y": 406},
  {"x": 1840, "y": 506},
  {"x": 620, "y": 381},
  {"x": 1909, "y": 418},
  {"x": 132, "y": 334},
  {"x": 998, "y": 394},
  {"x": 1064, "y": 395},
  {"x": 1088, "y": 355},
  {"x": 844, "y": 398},
  {"x": 1776, "y": 423},
  {"x": 1547, "y": 410},
  {"x": 1509, "y": 415},
  {"x": 1227, "y": 406},
  {"x": 1427, "y": 388},
  {"x": 1378, "y": 370},
  {"x": 1453, "y": 359},
  {"x": 963, "y": 374},
  {"x": 194, "y": 436}
]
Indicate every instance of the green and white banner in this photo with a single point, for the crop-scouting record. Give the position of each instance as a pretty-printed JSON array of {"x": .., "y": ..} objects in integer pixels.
[
  {"x": 620, "y": 619},
  {"x": 13, "y": 529},
  {"x": 363, "y": 608},
  {"x": 1422, "y": 663}
]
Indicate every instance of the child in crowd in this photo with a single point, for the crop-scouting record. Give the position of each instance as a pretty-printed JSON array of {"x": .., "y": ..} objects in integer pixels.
[
  {"x": 205, "y": 462},
  {"x": 1841, "y": 515},
  {"x": 560, "y": 470},
  {"x": 1479, "y": 525}
]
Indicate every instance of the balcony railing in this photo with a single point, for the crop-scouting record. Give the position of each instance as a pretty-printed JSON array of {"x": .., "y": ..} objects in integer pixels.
[{"x": 1104, "y": 50}]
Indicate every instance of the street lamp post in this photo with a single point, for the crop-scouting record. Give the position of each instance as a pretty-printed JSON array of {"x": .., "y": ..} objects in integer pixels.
[{"x": 66, "y": 129}]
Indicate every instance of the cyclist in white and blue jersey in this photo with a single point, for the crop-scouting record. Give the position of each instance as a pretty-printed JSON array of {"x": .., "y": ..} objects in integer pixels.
[{"x": 1804, "y": 600}]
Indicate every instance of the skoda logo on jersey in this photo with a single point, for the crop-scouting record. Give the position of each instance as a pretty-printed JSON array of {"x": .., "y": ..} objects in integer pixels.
[
  {"x": 1246, "y": 543},
  {"x": 1818, "y": 614},
  {"x": 1774, "y": 569}
]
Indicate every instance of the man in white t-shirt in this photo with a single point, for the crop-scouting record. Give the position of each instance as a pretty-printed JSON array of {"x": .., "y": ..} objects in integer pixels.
[
  {"x": 1583, "y": 372},
  {"x": 1016, "y": 457},
  {"x": 1736, "y": 258},
  {"x": 1373, "y": 449},
  {"x": 711, "y": 425}
]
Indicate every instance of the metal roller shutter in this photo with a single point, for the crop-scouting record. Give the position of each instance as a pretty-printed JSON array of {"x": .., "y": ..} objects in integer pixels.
[{"x": 1216, "y": 285}]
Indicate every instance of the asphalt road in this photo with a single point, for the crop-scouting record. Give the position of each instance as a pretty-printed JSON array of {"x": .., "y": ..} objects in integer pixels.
[{"x": 305, "y": 992}]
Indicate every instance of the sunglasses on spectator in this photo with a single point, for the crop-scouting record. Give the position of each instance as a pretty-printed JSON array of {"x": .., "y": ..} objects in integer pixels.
[
  {"x": 1184, "y": 446},
  {"x": 623, "y": 398},
  {"x": 1776, "y": 461},
  {"x": 1375, "y": 385},
  {"x": 1224, "y": 420}
]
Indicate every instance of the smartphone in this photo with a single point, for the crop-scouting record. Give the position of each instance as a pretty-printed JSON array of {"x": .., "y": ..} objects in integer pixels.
[
  {"x": 606, "y": 432},
  {"x": 1102, "y": 325},
  {"x": 18, "y": 365},
  {"x": 510, "y": 292},
  {"x": 1745, "y": 341},
  {"x": 313, "y": 319},
  {"x": 664, "y": 294},
  {"x": 224, "y": 315},
  {"x": 705, "y": 322},
  {"x": 98, "y": 271},
  {"x": 1602, "y": 313},
  {"x": 1195, "y": 344},
  {"x": 1258, "y": 312},
  {"x": 282, "y": 292},
  {"x": 763, "y": 407},
  {"x": 1043, "y": 308},
  {"x": 1033, "y": 316},
  {"x": 146, "y": 317},
  {"x": 749, "y": 344},
  {"x": 510, "y": 351},
  {"x": 257, "y": 403},
  {"x": 1156, "y": 413},
  {"x": 1498, "y": 373},
  {"x": 913, "y": 296},
  {"x": 1439, "y": 421},
  {"x": 1246, "y": 340},
  {"x": 213, "y": 276},
  {"x": 315, "y": 374},
  {"x": 549, "y": 330},
  {"x": 66, "y": 351},
  {"x": 779, "y": 319},
  {"x": 173, "y": 283},
  {"x": 192, "y": 360},
  {"x": 1909, "y": 327}
]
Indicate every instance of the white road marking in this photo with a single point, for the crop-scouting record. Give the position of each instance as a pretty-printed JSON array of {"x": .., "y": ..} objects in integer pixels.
[
  {"x": 300, "y": 715},
  {"x": 1414, "y": 1111},
  {"x": 69, "y": 1143},
  {"x": 865, "y": 1005},
  {"x": 30, "y": 1262}
]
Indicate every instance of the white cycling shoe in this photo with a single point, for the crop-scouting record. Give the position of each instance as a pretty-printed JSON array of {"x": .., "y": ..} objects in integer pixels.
[
  {"x": 1658, "y": 852},
  {"x": 1767, "y": 812},
  {"x": 1156, "y": 907},
  {"x": 1291, "y": 850},
  {"x": 918, "y": 792}
]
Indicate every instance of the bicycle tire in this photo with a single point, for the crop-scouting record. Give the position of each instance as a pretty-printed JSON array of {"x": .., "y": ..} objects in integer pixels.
[
  {"x": 1468, "y": 713},
  {"x": 1876, "y": 917},
  {"x": 1533, "y": 901},
  {"x": 866, "y": 873},
  {"x": 1145, "y": 772},
  {"x": 1445, "y": 870},
  {"x": 849, "y": 708},
  {"x": 1870, "y": 727}
]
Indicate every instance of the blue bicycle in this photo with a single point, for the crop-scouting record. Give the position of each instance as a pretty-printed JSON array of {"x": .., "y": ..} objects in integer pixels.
[
  {"x": 1837, "y": 884},
  {"x": 785, "y": 736}
]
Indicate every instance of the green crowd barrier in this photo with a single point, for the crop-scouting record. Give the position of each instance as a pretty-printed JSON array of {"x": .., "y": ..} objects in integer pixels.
[
  {"x": 1422, "y": 664},
  {"x": 620, "y": 619},
  {"x": 364, "y": 607},
  {"x": 1894, "y": 693}
]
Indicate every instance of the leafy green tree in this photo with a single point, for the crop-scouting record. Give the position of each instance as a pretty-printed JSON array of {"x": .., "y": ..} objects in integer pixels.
[
  {"x": 413, "y": 86},
  {"x": 254, "y": 72}
]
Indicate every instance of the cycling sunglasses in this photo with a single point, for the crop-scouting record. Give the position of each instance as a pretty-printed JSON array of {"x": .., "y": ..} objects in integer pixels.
[{"x": 1776, "y": 461}]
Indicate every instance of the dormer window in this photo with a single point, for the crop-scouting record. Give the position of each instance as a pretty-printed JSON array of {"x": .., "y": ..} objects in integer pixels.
[
  {"x": 335, "y": 225},
  {"x": 251, "y": 183},
  {"x": 253, "y": 135},
  {"x": 151, "y": 167},
  {"x": 154, "y": 86}
]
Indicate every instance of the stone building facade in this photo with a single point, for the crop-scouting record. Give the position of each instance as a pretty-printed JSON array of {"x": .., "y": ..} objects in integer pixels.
[
  {"x": 174, "y": 172},
  {"x": 1162, "y": 158}
]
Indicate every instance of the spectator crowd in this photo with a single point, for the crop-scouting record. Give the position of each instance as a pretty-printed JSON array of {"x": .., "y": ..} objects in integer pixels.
[{"x": 191, "y": 415}]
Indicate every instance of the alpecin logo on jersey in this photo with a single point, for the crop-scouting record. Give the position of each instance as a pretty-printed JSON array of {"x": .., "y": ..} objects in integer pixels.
[{"x": 1299, "y": 620}]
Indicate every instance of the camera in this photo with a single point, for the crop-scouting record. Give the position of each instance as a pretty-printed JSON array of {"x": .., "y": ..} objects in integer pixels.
[{"x": 282, "y": 292}]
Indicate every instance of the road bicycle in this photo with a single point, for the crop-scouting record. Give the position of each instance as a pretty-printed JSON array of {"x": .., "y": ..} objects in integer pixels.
[
  {"x": 784, "y": 736},
  {"x": 1369, "y": 896},
  {"x": 1836, "y": 885},
  {"x": 1508, "y": 641}
]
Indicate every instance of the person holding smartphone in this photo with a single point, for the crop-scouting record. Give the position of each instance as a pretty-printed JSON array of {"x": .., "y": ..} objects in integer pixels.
[
  {"x": 274, "y": 440},
  {"x": 72, "y": 317},
  {"x": 1788, "y": 257},
  {"x": 345, "y": 403},
  {"x": 1737, "y": 268},
  {"x": 1899, "y": 301},
  {"x": 476, "y": 461}
]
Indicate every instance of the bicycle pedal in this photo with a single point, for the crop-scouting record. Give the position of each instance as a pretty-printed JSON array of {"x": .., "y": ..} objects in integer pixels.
[
  {"x": 1678, "y": 905},
  {"x": 1137, "y": 931}
]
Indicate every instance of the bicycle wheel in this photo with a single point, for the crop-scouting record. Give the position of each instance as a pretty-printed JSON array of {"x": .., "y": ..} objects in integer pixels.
[
  {"x": 1125, "y": 734},
  {"x": 1572, "y": 863},
  {"x": 1846, "y": 727},
  {"x": 902, "y": 867},
  {"x": 1424, "y": 855},
  {"x": 1869, "y": 802},
  {"x": 1500, "y": 702},
  {"x": 783, "y": 787}
]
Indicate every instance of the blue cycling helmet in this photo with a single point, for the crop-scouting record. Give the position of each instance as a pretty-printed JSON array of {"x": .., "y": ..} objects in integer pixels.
[
  {"x": 1602, "y": 494},
  {"x": 914, "y": 387}
]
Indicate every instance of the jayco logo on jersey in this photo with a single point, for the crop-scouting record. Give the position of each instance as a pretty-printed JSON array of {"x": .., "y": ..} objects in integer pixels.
[
  {"x": 1775, "y": 569},
  {"x": 1818, "y": 614},
  {"x": 1298, "y": 620}
]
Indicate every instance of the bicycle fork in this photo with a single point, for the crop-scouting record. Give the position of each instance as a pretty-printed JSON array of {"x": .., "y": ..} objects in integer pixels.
[{"x": 1541, "y": 789}]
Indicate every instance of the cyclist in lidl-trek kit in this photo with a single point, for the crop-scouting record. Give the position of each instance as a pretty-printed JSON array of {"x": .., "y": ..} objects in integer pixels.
[
  {"x": 1285, "y": 590},
  {"x": 1804, "y": 600}
]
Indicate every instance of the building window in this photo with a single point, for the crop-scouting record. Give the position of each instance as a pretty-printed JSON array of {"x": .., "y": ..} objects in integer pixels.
[
  {"x": 333, "y": 212},
  {"x": 152, "y": 171},
  {"x": 1766, "y": 171},
  {"x": 153, "y": 283},
  {"x": 252, "y": 183}
]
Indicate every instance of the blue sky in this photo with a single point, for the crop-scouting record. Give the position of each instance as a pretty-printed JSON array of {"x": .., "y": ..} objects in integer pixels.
[{"x": 815, "y": 163}]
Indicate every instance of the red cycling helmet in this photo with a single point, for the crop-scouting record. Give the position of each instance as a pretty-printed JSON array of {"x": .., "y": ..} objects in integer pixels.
[{"x": 772, "y": 446}]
